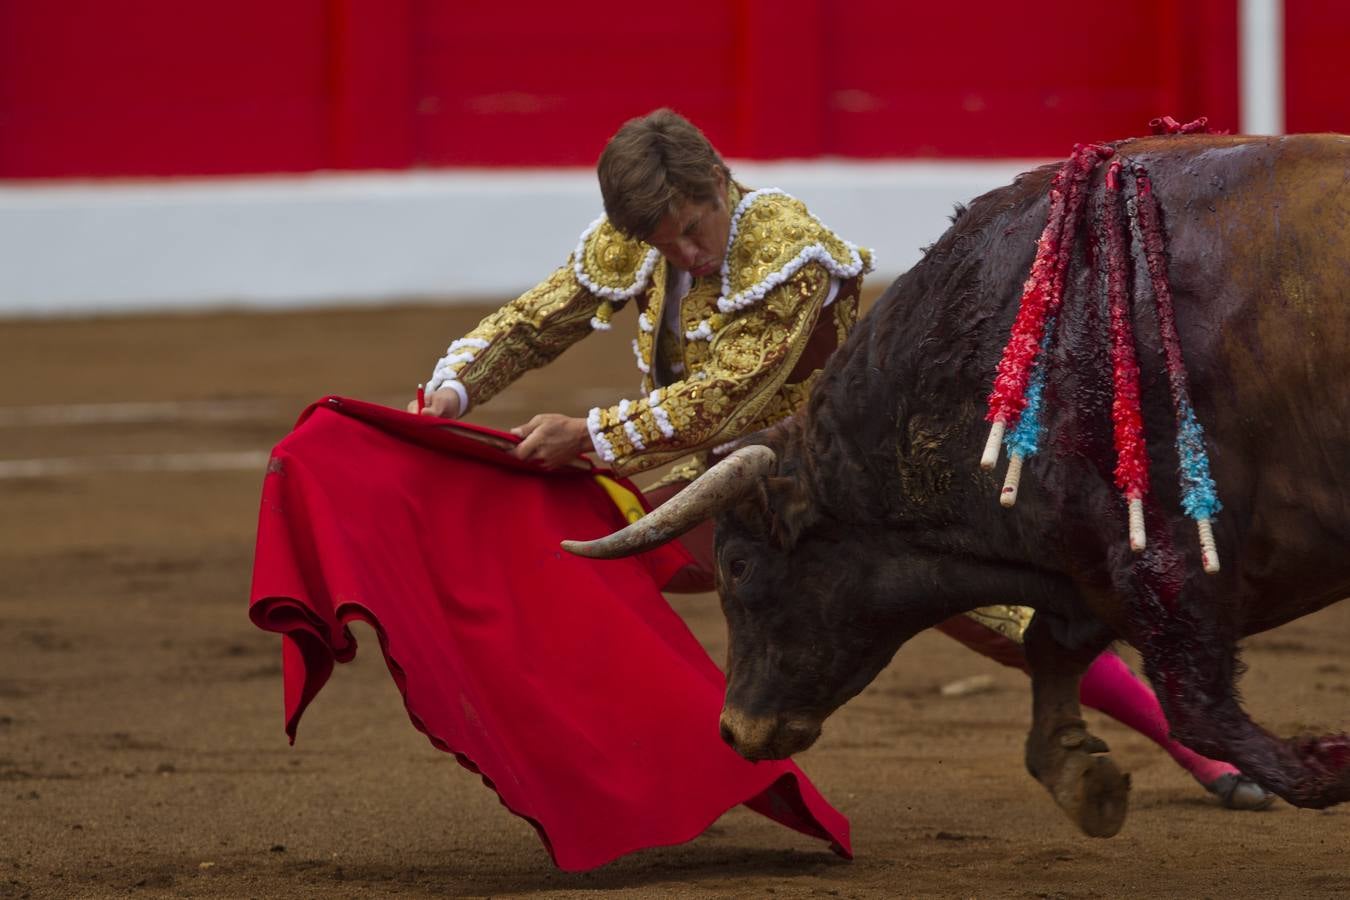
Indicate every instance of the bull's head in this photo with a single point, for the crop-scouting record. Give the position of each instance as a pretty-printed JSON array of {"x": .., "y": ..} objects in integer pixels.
[{"x": 809, "y": 620}]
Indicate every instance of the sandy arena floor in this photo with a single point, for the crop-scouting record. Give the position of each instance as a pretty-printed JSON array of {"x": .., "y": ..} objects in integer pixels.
[{"x": 141, "y": 744}]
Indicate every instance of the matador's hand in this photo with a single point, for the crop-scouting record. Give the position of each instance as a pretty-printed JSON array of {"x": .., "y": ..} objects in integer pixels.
[
  {"x": 552, "y": 439},
  {"x": 443, "y": 403}
]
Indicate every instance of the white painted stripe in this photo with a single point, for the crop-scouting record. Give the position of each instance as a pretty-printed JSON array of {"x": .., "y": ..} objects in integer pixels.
[
  {"x": 55, "y": 467},
  {"x": 451, "y": 236},
  {"x": 1261, "y": 38}
]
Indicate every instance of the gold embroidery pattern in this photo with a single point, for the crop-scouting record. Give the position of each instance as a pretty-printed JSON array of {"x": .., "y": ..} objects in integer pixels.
[
  {"x": 1009, "y": 621},
  {"x": 649, "y": 325},
  {"x": 528, "y": 332},
  {"x": 614, "y": 262},
  {"x": 845, "y": 308},
  {"x": 684, "y": 473},
  {"x": 772, "y": 233},
  {"x": 537, "y": 326},
  {"x": 734, "y": 391},
  {"x": 700, "y": 304}
]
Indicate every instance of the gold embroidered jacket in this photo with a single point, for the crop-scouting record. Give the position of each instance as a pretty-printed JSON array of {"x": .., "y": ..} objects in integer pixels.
[
  {"x": 1010, "y": 621},
  {"x": 750, "y": 344}
]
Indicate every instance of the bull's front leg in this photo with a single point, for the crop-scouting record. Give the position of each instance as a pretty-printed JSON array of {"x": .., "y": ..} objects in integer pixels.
[{"x": 1061, "y": 753}]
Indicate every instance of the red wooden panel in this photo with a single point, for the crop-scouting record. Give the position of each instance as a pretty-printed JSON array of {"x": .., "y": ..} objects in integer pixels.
[
  {"x": 1000, "y": 79},
  {"x": 370, "y": 88},
  {"x": 549, "y": 83},
  {"x": 780, "y": 51},
  {"x": 1208, "y": 77},
  {"x": 143, "y": 87},
  {"x": 1317, "y": 65},
  {"x": 161, "y": 87}
]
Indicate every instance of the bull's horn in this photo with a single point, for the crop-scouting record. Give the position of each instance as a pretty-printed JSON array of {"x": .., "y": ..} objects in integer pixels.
[{"x": 711, "y": 492}]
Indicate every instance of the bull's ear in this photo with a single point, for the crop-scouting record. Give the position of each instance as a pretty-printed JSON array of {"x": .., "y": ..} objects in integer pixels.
[{"x": 790, "y": 511}]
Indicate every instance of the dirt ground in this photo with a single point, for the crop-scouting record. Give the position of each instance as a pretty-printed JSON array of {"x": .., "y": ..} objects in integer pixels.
[{"x": 141, "y": 743}]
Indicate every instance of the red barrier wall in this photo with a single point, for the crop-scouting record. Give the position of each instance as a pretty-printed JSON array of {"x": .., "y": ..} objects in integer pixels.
[
  {"x": 1317, "y": 65},
  {"x": 89, "y": 87},
  {"x": 164, "y": 87}
]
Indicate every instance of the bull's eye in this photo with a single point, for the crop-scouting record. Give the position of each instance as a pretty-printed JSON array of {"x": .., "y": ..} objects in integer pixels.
[{"x": 737, "y": 568}]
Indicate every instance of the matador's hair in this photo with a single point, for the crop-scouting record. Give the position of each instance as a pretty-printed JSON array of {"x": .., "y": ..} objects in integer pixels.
[{"x": 652, "y": 165}]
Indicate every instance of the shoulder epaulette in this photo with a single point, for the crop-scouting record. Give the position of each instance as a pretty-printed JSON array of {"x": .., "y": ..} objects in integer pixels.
[
  {"x": 772, "y": 237},
  {"x": 610, "y": 264}
]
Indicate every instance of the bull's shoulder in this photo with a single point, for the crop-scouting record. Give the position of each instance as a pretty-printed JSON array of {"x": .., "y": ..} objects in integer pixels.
[
  {"x": 773, "y": 235},
  {"x": 610, "y": 264}
]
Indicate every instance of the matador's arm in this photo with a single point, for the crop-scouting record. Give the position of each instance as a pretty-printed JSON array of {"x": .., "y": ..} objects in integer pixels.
[{"x": 605, "y": 271}]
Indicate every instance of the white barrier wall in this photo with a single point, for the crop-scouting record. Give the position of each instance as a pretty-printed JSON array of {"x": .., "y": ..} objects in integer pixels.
[{"x": 75, "y": 248}]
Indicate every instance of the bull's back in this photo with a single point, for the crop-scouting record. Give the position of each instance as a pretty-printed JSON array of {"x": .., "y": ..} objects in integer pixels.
[{"x": 1259, "y": 244}]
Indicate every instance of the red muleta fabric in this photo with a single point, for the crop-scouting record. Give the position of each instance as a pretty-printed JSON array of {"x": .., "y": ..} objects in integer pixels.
[{"x": 568, "y": 684}]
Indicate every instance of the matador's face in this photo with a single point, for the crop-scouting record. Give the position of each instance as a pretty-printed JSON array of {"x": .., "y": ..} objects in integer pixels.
[{"x": 694, "y": 236}]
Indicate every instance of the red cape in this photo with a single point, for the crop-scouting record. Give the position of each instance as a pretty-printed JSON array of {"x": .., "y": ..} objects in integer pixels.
[{"x": 568, "y": 684}]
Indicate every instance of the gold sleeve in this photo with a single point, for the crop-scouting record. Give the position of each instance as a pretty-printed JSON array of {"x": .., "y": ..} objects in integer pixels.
[
  {"x": 1009, "y": 621},
  {"x": 526, "y": 333},
  {"x": 605, "y": 271},
  {"x": 749, "y": 360}
]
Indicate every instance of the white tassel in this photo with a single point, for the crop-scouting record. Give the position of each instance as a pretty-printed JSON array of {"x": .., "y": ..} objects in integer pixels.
[
  {"x": 1137, "y": 537},
  {"x": 1008, "y": 496},
  {"x": 990, "y": 457},
  {"x": 1209, "y": 551}
]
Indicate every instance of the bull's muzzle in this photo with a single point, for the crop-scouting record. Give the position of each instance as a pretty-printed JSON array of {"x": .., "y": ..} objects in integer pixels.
[{"x": 768, "y": 737}]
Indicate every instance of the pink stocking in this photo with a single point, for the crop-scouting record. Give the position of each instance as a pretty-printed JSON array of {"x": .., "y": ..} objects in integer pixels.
[{"x": 1110, "y": 687}]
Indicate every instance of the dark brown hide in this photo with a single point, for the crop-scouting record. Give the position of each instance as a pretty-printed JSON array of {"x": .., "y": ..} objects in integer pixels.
[{"x": 896, "y": 528}]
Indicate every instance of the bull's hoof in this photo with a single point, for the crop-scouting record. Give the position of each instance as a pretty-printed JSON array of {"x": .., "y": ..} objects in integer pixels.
[
  {"x": 1240, "y": 792},
  {"x": 1094, "y": 793}
]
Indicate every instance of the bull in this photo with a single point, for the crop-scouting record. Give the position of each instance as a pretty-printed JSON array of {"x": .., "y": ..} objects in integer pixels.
[{"x": 865, "y": 519}]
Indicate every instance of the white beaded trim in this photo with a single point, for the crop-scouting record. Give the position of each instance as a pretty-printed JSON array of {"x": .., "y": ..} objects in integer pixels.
[
  {"x": 729, "y": 302},
  {"x": 645, "y": 324},
  {"x": 630, "y": 429},
  {"x": 643, "y": 274},
  {"x": 702, "y": 333},
  {"x": 642, "y": 366},
  {"x": 452, "y": 358},
  {"x": 813, "y": 253},
  {"x": 598, "y": 325},
  {"x": 603, "y": 448},
  {"x": 720, "y": 449},
  {"x": 660, "y": 415},
  {"x": 450, "y": 365}
]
